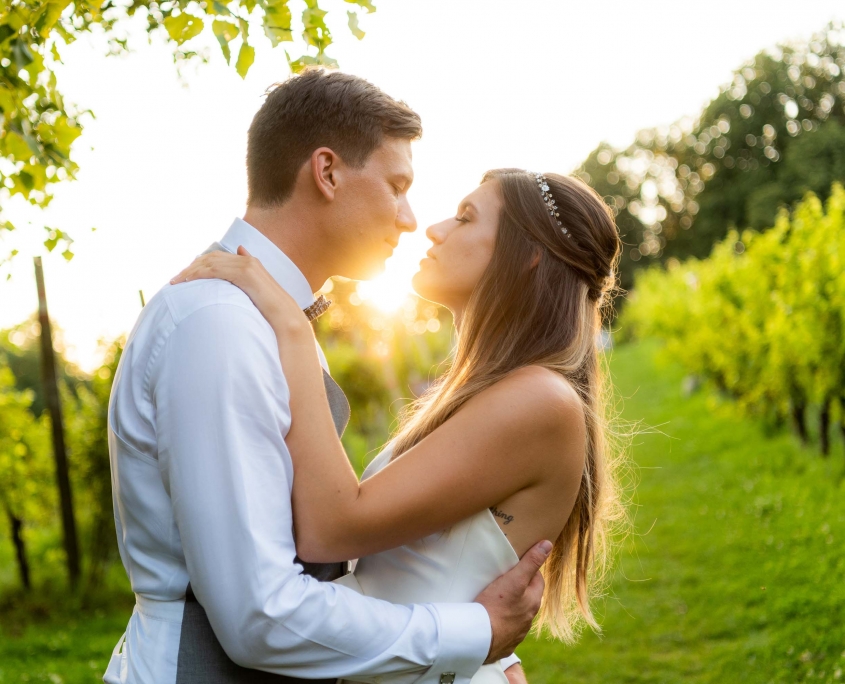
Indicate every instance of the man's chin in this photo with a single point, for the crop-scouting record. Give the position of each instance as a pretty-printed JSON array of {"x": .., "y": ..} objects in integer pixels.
[{"x": 365, "y": 272}]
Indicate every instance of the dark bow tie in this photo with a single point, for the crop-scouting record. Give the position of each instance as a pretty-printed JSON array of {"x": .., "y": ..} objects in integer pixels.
[{"x": 318, "y": 308}]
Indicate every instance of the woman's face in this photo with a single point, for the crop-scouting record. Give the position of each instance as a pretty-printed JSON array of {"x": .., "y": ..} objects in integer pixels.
[{"x": 462, "y": 249}]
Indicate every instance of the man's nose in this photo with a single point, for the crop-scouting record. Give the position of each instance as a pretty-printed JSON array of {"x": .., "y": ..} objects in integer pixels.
[{"x": 406, "y": 221}]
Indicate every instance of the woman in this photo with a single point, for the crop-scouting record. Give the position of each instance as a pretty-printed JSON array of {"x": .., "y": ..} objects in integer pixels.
[{"x": 510, "y": 445}]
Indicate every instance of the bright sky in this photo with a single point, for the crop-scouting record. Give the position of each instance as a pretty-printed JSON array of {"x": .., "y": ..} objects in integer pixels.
[{"x": 498, "y": 83}]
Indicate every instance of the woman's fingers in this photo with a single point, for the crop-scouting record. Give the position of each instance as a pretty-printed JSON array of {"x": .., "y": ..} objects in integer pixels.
[{"x": 212, "y": 265}]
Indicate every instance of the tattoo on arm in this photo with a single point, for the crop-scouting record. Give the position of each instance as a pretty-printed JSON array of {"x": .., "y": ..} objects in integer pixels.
[{"x": 501, "y": 514}]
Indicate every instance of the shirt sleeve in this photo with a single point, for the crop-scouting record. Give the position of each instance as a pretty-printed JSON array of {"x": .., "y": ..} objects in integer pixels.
[
  {"x": 512, "y": 659},
  {"x": 222, "y": 411}
]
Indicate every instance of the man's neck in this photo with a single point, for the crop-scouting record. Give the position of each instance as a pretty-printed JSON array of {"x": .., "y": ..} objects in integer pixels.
[{"x": 289, "y": 229}]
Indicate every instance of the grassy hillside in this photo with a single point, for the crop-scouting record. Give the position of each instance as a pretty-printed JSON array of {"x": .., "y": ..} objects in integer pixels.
[{"x": 736, "y": 572}]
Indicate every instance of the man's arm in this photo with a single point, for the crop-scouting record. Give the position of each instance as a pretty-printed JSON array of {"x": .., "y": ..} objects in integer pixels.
[{"x": 221, "y": 405}]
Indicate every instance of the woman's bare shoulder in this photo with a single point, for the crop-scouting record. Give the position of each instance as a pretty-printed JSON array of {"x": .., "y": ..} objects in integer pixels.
[
  {"x": 542, "y": 394},
  {"x": 535, "y": 406}
]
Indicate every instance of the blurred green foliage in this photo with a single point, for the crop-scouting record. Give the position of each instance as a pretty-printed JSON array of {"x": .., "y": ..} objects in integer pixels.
[
  {"x": 27, "y": 469},
  {"x": 38, "y": 126},
  {"x": 763, "y": 318},
  {"x": 774, "y": 132}
]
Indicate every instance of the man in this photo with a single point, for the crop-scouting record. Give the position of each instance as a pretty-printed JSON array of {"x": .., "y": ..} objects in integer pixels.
[{"x": 200, "y": 409}]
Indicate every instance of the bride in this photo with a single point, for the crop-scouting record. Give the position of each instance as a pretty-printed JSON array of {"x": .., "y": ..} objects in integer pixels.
[{"x": 508, "y": 447}]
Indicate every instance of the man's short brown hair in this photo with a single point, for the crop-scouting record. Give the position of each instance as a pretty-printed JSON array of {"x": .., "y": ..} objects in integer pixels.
[{"x": 319, "y": 109}]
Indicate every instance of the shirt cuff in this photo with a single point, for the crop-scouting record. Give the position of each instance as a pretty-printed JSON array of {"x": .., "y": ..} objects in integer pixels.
[
  {"x": 464, "y": 641},
  {"x": 512, "y": 659}
]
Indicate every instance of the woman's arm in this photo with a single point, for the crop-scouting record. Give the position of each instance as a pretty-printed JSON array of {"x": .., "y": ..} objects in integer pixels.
[
  {"x": 527, "y": 427},
  {"x": 516, "y": 675}
]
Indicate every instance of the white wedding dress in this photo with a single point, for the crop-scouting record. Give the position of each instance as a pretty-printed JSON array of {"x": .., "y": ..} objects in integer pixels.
[{"x": 452, "y": 566}]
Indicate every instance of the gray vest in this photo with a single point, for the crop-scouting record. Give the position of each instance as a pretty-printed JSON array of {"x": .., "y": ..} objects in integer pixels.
[{"x": 202, "y": 659}]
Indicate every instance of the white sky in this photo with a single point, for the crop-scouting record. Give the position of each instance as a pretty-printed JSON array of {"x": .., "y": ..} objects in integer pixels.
[{"x": 498, "y": 83}]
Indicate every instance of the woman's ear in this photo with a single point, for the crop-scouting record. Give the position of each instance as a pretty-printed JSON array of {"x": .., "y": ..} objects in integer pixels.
[{"x": 535, "y": 259}]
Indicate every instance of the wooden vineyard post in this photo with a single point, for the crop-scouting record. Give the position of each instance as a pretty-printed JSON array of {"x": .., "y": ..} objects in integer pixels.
[{"x": 51, "y": 395}]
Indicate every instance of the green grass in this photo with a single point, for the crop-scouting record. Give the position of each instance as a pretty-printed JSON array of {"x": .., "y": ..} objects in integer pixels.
[
  {"x": 51, "y": 636},
  {"x": 734, "y": 572}
]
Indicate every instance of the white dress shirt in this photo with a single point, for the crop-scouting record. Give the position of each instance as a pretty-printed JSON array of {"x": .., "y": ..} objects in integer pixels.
[{"x": 202, "y": 479}]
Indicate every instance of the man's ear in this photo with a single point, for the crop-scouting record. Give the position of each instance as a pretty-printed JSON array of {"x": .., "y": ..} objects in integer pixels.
[{"x": 325, "y": 167}]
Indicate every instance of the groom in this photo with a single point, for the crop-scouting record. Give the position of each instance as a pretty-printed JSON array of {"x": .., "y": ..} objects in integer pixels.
[{"x": 197, "y": 422}]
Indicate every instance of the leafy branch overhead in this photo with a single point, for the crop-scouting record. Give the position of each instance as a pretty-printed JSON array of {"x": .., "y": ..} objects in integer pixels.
[{"x": 38, "y": 127}]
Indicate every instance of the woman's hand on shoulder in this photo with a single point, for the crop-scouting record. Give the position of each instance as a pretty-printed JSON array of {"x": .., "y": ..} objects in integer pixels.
[{"x": 248, "y": 273}]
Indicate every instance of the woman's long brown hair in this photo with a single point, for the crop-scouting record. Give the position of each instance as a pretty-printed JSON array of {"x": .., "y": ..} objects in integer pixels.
[{"x": 540, "y": 303}]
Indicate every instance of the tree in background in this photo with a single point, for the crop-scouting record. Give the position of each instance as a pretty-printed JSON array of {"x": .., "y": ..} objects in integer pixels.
[
  {"x": 762, "y": 318},
  {"x": 38, "y": 127},
  {"x": 27, "y": 476},
  {"x": 27, "y": 472},
  {"x": 776, "y": 131}
]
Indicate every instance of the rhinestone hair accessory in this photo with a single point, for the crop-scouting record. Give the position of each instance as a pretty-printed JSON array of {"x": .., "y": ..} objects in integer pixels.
[{"x": 551, "y": 205}]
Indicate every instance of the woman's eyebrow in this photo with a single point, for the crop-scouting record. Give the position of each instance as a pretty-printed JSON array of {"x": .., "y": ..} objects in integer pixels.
[{"x": 466, "y": 204}]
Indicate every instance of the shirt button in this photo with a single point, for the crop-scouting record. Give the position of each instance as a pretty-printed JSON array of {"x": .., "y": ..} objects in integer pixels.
[{"x": 447, "y": 678}]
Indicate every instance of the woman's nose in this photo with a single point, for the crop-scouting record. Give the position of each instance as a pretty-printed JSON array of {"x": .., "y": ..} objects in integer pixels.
[{"x": 436, "y": 232}]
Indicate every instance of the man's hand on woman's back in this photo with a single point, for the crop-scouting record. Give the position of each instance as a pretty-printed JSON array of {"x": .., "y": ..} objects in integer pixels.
[{"x": 513, "y": 600}]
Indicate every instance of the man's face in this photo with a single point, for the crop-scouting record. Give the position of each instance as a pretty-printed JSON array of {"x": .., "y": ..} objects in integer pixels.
[{"x": 371, "y": 210}]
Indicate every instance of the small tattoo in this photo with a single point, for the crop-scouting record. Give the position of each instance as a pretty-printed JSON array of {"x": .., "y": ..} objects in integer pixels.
[{"x": 501, "y": 514}]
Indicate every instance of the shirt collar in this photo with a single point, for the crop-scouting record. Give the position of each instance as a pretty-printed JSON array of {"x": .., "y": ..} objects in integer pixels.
[{"x": 277, "y": 263}]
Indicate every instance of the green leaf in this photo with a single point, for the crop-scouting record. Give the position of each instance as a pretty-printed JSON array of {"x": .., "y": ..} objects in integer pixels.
[
  {"x": 184, "y": 27},
  {"x": 277, "y": 20},
  {"x": 16, "y": 147},
  {"x": 226, "y": 32},
  {"x": 48, "y": 20},
  {"x": 366, "y": 4},
  {"x": 246, "y": 56},
  {"x": 65, "y": 132},
  {"x": 353, "y": 26},
  {"x": 314, "y": 18},
  {"x": 68, "y": 255},
  {"x": 297, "y": 65}
]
